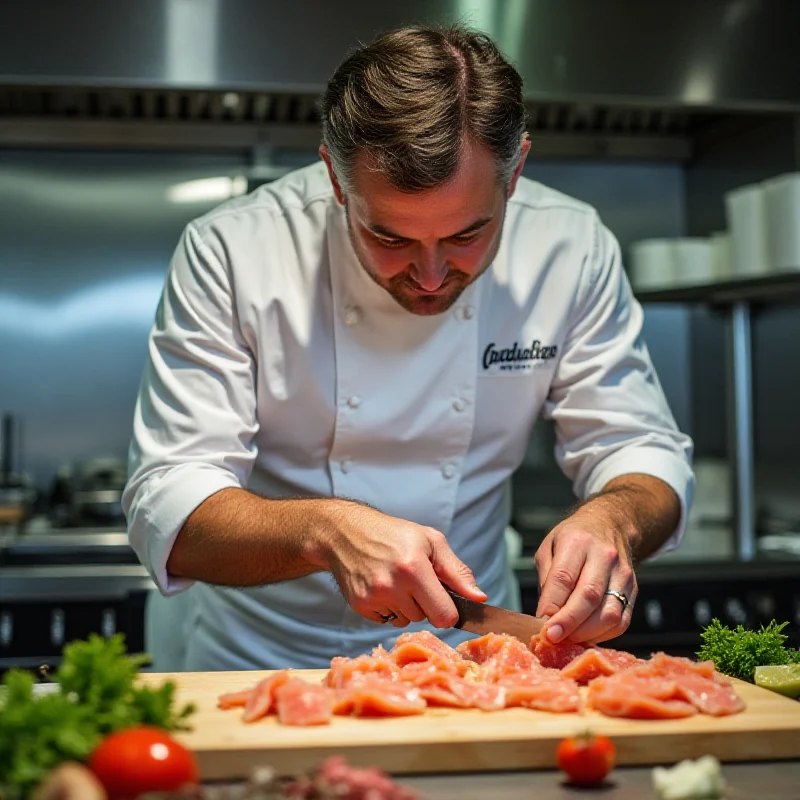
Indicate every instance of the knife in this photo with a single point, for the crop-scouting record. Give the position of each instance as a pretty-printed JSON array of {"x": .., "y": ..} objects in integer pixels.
[{"x": 481, "y": 618}]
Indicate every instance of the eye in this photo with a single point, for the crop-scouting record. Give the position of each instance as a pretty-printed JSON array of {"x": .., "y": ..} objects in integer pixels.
[
  {"x": 392, "y": 243},
  {"x": 467, "y": 238}
]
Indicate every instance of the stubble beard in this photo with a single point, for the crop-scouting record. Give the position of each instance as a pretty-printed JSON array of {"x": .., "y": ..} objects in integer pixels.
[{"x": 419, "y": 304}]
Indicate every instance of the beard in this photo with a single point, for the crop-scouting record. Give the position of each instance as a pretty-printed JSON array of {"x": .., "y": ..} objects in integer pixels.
[{"x": 405, "y": 291}]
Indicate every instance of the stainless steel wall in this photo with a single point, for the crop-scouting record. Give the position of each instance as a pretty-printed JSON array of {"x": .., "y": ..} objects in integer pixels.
[
  {"x": 683, "y": 52},
  {"x": 84, "y": 243}
]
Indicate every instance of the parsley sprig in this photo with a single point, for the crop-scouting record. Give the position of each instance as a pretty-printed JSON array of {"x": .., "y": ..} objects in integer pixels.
[
  {"x": 97, "y": 696},
  {"x": 737, "y": 652}
]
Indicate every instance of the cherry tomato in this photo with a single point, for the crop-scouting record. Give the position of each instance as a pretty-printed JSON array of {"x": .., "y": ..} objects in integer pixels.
[
  {"x": 586, "y": 759},
  {"x": 142, "y": 759}
]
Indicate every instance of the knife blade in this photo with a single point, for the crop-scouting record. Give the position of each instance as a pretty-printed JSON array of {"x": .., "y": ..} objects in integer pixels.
[{"x": 481, "y": 618}]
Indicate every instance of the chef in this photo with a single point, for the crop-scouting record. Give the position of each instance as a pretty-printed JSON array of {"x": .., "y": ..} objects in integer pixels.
[{"x": 345, "y": 368}]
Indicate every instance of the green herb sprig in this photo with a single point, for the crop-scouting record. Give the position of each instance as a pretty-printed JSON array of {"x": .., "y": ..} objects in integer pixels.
[
  {"x": 97, "y": 697},
  {"x": 737, "y": 652}
]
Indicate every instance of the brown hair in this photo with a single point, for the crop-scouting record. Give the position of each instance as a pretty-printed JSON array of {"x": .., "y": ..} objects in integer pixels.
[{"x": 413, "y": 97}]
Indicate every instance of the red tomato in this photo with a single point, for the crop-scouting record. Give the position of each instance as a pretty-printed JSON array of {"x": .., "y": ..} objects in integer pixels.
[
  {"x": 586, "y": 759},
  {"x": 142, "y": 759}
]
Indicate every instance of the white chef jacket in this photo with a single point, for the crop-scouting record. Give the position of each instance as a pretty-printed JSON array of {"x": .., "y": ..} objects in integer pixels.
[{"x": 277, "y": 364}]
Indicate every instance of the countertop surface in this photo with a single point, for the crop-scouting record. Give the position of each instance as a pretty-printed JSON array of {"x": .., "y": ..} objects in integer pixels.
[{"x": 762, "y": 781}]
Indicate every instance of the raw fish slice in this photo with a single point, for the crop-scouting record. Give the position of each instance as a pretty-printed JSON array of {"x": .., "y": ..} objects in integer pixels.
[
  {"x": 379, "y": 698},
  {"x": 302, "y": 703},
  {"x": 615, "y": 699},
  {"x": 429, "y": 641},
  {"x": 262, "y": 697},
  {"x": 500, "y": 652},
  {"x": 595, "y": 662},
  {"x": 555, "y": 655},
  {"x": 345, "y": 671},
  {"x": 442, "y": 689},
  {"x": 234, "y": 699},
  {"x": 557, "y": 695}
]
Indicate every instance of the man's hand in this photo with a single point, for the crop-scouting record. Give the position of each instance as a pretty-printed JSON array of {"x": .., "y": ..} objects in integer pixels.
[
  {"x": 594, "y": 551},
  {"x": 388, "y": 566}
]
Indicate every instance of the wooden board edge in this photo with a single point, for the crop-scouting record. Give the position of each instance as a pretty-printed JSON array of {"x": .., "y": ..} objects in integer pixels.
[{"x": 494, "y": 756}]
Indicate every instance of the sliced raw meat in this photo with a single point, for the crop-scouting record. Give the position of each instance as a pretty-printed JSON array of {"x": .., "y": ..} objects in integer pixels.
[
  {"x": 556, "y": 656},
  {"x": 696, "y": 682},
  {"x": 301, "y": 703},
  {"x": 234, "y": 699},
  {"x": 262, "y": 697},
  {"x": 377, "y": 698},
  {"x": 502, "y": 653},
  {"x": 708, "y": 696},
  {"x": 443, "y": 689},
  {"x": 346, "y": 671},
  {"x": 336, "y": 778},
  {"x": 541, "y": 691},
  {"x": 616, "y": 701},
  {"x": 429, "y": 641},
  {"x": 594, "y": 662},
  {"x": 412, "y": 648}
]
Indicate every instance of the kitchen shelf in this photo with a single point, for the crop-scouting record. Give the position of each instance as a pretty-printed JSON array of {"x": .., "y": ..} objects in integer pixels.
[
  {"x": 737, "y": 298},
  {"x": 783, "y": 287}
]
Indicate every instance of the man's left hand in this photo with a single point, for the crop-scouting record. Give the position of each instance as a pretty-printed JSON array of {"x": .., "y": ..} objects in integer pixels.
[
  {"x": 588, "y": 560},
  {"x": 578, "y": 562}
]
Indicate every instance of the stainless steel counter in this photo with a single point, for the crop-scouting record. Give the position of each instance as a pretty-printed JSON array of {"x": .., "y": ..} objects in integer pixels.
[
  {"x": 762, "y": 781},
  {"x": 72, "y": 582}
]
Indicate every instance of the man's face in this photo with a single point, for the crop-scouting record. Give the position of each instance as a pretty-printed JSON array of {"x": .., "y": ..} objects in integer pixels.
[{"x": 426, "y": 248}]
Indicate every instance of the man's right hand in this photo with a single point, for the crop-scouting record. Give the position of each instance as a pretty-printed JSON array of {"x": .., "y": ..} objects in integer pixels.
[{"x": 385, "y": 565}]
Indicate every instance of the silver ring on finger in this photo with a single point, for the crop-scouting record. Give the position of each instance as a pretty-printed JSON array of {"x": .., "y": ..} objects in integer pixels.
[
  {"x": 390, "y": 617},
  {"x": 621, "y": 596}
]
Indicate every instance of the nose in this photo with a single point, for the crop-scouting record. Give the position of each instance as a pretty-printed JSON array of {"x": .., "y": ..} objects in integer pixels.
[{"x": 430, "y": 269}]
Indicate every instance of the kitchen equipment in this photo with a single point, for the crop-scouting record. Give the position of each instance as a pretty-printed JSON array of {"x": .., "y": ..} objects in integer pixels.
[
  {"x": 782, "y": 214},
  {"x": 744, "y": 210},
  {"x": 652, "y": 264},
  {"x": 17, "y": 495},
  {"x": 89, "y": 493},
  {"x": 694, "y": 261},
  {"x": 481, "y": 618},
  {"x": 459, "y": 740}
]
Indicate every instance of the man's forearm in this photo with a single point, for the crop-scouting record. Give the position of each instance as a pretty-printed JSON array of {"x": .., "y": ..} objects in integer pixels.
[
  {"x": 645, "y": 508},
  {"x": 235, "y": 538}
]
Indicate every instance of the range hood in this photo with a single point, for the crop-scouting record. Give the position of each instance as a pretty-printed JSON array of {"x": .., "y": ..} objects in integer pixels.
[{"x": 602, "y": 77}]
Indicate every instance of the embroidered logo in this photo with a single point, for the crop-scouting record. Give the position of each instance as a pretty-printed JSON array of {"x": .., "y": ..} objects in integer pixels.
[{"x": 516, "y": 358}]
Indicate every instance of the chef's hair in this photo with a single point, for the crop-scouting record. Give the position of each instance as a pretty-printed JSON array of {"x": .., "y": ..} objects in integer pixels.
[{"x": 413, "y": 98}]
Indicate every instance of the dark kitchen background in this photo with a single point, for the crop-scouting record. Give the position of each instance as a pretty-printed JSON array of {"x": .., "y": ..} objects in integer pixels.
[{"x": 120, "y": 122}]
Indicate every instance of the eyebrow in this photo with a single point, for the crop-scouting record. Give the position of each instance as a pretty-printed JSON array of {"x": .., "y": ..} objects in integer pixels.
[{"x": 379, "y": 230}]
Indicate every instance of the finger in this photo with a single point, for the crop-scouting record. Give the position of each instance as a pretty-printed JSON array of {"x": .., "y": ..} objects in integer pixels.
[
  {"x": 543, "y": 559},
  {"x": 409, "y": 607},
  {"x": 587, "y": 596},
  {"x": 612, "y": 633},
  {"x": 610, "y": 619},
  {"x": 562, "y": 577},
  {"x": 452, "y": 571},
  {"x": 436, "y": 604},
  {"x": 401, "y": 620}
]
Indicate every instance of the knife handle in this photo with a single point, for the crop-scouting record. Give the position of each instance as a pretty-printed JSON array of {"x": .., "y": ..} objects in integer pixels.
[{"x": 461, "y": 606}]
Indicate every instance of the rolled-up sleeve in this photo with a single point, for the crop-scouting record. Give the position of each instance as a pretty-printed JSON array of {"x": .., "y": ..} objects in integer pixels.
[
  {"x": 195, "y": 418},
  {"x": 611, "y": 416}
]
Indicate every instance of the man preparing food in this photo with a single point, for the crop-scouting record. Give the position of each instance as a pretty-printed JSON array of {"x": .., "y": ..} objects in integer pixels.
[{"x": 346, "y": 366}]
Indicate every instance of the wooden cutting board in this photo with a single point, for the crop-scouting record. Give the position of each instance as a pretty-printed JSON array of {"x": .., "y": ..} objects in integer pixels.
[{"x": 458, "y": 740}]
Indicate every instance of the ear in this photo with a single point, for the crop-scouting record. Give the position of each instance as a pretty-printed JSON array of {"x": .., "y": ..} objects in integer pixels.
[
  {"x": 337, "y": 189},
  {"x": 526, "y": 146}
]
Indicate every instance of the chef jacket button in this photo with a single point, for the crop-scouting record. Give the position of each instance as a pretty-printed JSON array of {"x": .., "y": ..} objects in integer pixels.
[
  {"x": 352, "y": 316},
  {"x": 469, "y": 312},
  {"x": 459, "y": 404},
  {"x": 354, "y": 401},
  {"x": 345, "y": 465},
  {"x": 448, "y": 470}
]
